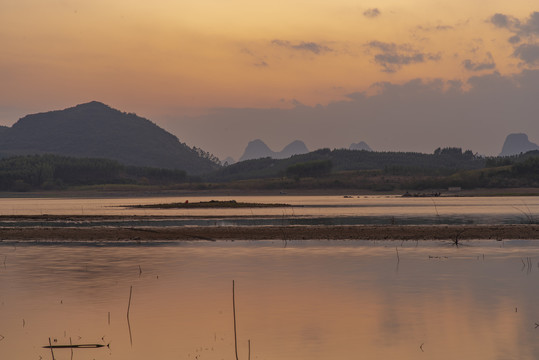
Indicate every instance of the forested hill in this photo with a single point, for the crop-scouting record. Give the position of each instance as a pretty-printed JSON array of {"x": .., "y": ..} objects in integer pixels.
[
  {"x": 96, "y": 130},
  {"x": 442, "y": 161}
]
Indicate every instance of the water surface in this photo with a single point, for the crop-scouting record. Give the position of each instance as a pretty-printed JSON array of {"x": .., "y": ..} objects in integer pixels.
[
  {"x": 306, "y": 210},
  {"x": 294, "y": 300}
]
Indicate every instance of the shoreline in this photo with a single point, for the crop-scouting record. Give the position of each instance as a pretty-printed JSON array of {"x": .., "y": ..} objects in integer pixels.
[
  {"x": 106, "y": 192},
  {"x": 322, "y": 232}
]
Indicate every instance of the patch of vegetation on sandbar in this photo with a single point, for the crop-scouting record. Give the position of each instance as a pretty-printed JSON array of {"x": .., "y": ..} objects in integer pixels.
[{"x": 212, "y": 204}]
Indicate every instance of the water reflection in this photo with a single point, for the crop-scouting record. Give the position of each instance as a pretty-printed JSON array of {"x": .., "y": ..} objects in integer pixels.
[
  {"x": 308, "y": 300},
  {"x": 306, "y": 210}
]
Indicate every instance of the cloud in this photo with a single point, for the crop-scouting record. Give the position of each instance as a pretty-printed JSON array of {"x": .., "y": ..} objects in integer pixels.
[
  {"x": 372, "y": 13},
  {"x": 531, "y": 26},
  {"x": 310, "y": 46},
  {"x": 418, "y": 115},
  {"x": 527, "y": 29},
  {"x": 514, "y": 39},
  {"x": 392, "y": 56},
  {"x": 488, "y": 64},
  {"x": 501, "y": 20},
  {"x": 435, "y": 28},
  {"x": 528, "y": 53},
  {"x": 259, "y": 61},
  {"x": 522, "y": 28}
]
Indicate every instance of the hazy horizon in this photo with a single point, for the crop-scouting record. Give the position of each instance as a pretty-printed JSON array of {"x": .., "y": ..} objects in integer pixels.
[{"x": 401, "y": 76}]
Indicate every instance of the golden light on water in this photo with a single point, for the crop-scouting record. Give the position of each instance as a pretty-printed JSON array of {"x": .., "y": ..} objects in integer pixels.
[{"x": 303, "y": 301}]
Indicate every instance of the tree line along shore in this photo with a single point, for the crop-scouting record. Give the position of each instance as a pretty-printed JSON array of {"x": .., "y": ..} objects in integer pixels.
[{"x": 321, "y": 170}]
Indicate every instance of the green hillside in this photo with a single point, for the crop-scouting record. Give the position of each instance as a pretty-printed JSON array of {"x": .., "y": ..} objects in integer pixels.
[{"x": 441, "y": 162}]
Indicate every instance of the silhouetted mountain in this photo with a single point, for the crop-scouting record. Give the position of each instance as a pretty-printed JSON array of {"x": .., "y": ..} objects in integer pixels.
[
  {"x": 296, "y": 147},
  {"x": 98, "y": 131},
  {"x": 362, "y": 145},
  {"x": 229, "y": 161},
  {"x": 257, "y": 149},
  {"x": 517, "y": 143}
]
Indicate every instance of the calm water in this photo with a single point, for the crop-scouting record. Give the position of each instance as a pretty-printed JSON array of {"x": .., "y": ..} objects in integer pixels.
[
  {"x": 306, "y": 210},
  {"x": 296, "y": 300}
]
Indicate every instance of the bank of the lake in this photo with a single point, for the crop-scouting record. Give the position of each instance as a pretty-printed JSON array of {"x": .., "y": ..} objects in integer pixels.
[
  {"x": 123, "y": 191},
  {"x": 356, "y": 232}
]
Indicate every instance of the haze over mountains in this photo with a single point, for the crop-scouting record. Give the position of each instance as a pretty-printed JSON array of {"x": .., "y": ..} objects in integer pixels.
[
  {"x": 362, "y": 145},
  {"x": 257, "y": 149},
  {"x": 95, "y": 130},
  {"x": 99, "y": 131},
  {"x": 517, "y": 143}
]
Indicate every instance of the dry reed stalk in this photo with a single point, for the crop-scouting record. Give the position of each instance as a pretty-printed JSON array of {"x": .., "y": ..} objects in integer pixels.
[
  {"x": 128, "y": 309},
  {"x": 234, "y": 313},
  {"x": 52, "y": 352}
]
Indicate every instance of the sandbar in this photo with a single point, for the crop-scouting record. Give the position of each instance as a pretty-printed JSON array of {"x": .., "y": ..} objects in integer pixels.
[{"x": 322, "y": 232}]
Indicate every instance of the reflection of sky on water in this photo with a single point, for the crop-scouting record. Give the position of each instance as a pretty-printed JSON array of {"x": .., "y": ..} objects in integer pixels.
[
  {"x": 306, "y": 210},
  {"x": 305, "y": 300}
]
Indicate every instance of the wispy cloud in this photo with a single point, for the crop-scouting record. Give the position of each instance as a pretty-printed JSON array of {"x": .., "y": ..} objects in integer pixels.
[
  {"x": 435, "y": 28},
  {"x": 259, "y": 61},
  {"x": 309, "y": 46},
  {"x": 372, "y": 13},
  {"x": 393, "y": 56},
  {"x": 487, "y": 64}
]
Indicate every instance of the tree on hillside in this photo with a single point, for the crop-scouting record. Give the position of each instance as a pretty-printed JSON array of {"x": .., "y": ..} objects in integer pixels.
[{"x": 309, "y": 169}]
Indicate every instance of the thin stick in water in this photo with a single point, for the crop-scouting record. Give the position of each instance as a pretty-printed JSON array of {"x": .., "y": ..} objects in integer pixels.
[
  {"x": 79, "y": 346},
  {"x": 128, "y": 309},
  {"x": 435, "y": 207},
  {"x": 249, "y": 345},
  {"x": 234, "y": 313},
  {"x": 52, "y": 352},
  {"x": 71, "y": 343},
  {"x": 129, "y": 303}
]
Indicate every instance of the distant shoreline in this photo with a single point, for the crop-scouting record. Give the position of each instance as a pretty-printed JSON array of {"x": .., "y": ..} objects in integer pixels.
[
  {"x": 218, "y": 233},
  {"x": 106, "y": 192},
  {"x": 212, "y": 204}
]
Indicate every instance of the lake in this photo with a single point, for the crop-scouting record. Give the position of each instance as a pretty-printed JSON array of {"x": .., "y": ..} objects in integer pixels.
[
  {"x": 305, "y": 210},
  {"x": 301, "y": 300}
]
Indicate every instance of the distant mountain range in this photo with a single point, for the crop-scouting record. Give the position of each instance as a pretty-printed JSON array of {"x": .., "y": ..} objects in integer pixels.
[
  {"x": 362, "y": 145},
  {"x": 517, "y": 143},
  {"x": 257, "y": 149},
  {"x": 99, "y": 131}
]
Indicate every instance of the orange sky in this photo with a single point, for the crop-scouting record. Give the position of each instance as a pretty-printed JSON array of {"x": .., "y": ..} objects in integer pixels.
[
  {"x": 197, "y": 54},
  {"x": 166, "y": 58}
]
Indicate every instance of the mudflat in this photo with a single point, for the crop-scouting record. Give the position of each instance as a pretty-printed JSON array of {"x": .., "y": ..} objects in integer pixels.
[{"x": 214, "y": 233}]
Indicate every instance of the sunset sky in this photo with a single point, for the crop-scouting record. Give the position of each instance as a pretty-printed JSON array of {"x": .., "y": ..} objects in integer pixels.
[{"x": 401, "y": 75}]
